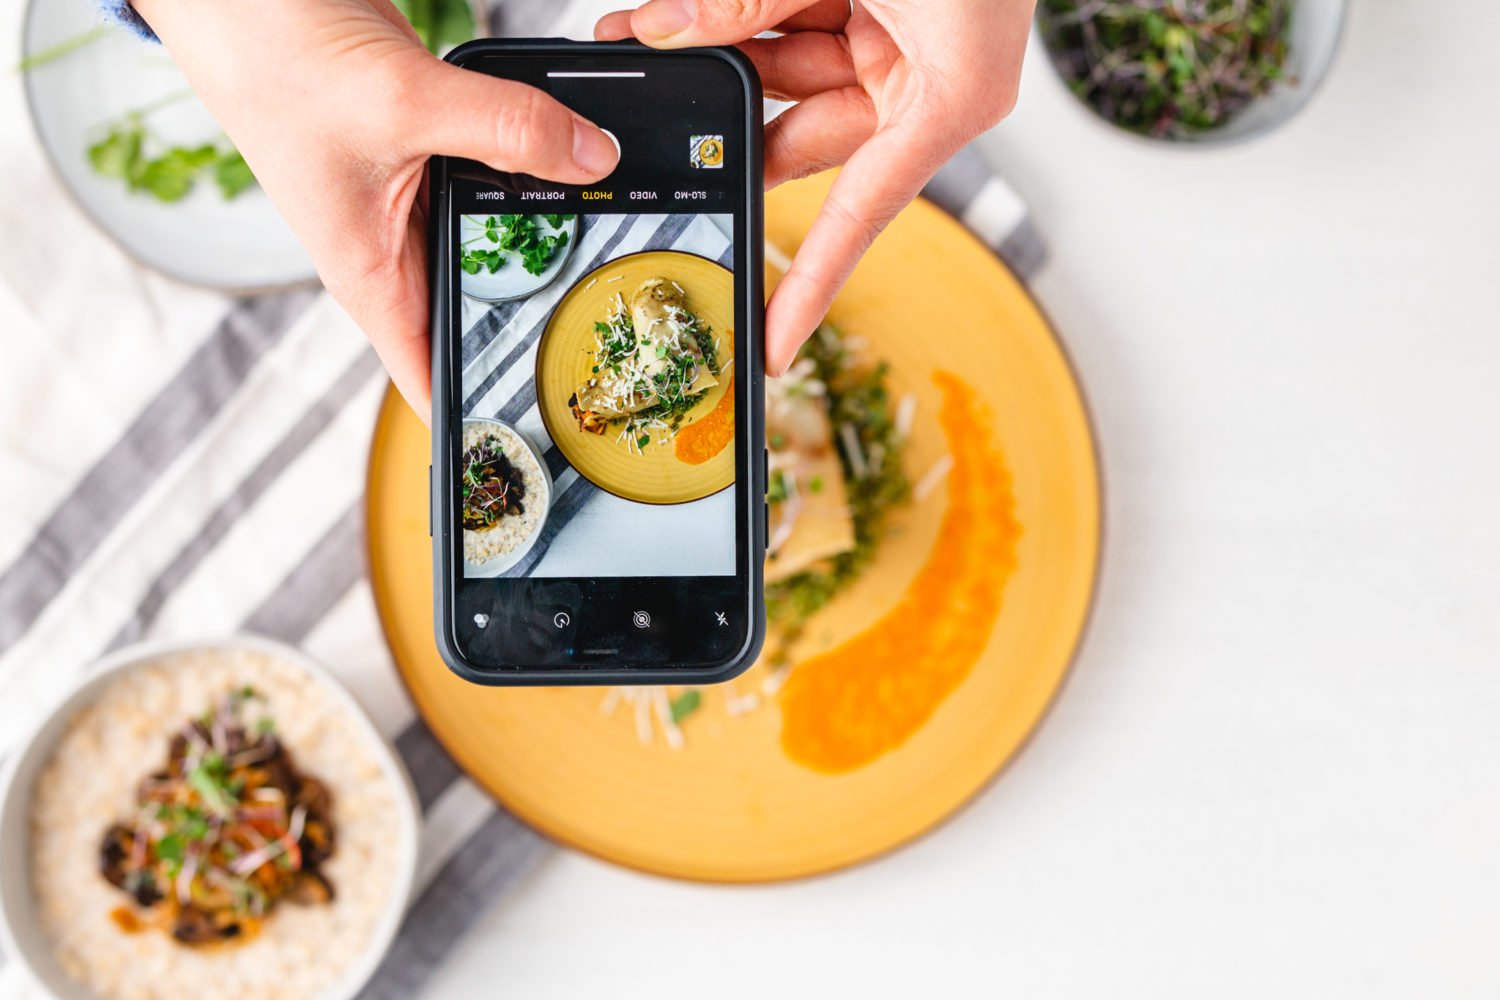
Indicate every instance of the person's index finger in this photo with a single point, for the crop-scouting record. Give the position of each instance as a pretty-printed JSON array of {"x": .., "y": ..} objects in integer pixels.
[{"x": 880, "y": 179}]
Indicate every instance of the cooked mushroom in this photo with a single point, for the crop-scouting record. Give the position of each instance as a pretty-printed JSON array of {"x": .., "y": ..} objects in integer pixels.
[
  {"x": 310, "y": 888},
  {"x": 224, "y": 832},
  {"x": 195, "y": 926}
]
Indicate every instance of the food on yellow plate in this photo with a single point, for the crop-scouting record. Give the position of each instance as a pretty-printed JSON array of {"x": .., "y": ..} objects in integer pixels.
[
  {"x": 707, "y": 436},
  {"x": 222, "y": 833},
  {"x": 810, "y": 517},
  {"x": 867, "y": 696},
  {"x": 653, "y": 361},
  {"x": 836, "y": 440}
]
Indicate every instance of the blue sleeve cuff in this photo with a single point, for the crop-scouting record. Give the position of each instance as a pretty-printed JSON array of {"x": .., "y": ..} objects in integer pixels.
[{"x": 121, "y": 12}]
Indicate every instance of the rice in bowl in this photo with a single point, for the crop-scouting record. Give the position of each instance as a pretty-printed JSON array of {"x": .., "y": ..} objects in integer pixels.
[
  {"x": 92, "y": 777},
  {"x": 511, "y": 533}
]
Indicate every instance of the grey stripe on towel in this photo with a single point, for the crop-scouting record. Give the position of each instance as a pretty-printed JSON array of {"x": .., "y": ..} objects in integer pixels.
[
  {"x": 489, "y": 862},
  {"x": 959, "y": 181},
  {"x": 957, "y": 185},
  {"x": 168, "y": 424},
  {"x": 304, "y": 597},
  {"x": 261, "y": 478}
]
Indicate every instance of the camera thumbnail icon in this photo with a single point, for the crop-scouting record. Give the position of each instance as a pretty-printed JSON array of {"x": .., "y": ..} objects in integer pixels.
[{"x": 707, "y": 152}]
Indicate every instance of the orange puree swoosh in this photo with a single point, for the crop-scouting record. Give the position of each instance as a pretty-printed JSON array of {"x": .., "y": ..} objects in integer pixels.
[
  {"x": 844, "y": 708},
  {"x": 703, "y": 439}
]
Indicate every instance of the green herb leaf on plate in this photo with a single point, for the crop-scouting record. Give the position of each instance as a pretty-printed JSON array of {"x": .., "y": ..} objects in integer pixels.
[
  {"x": 118, "y": 154},
  {"x": 686, "y": 704},
  {"x": 232, "y": 174}
]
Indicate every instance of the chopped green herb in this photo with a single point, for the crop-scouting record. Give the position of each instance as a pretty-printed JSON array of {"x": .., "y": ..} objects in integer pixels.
[
  {"x": 507, "y": 236},
  {"x": 121, "y": 154},
  {"x": 208, "y": 780},
  {"x": 776, "y": 489},
  {"x": 858, "y": 396},
  {"x": 686, "y": 703},
  {"x": 232, "y": 174}
]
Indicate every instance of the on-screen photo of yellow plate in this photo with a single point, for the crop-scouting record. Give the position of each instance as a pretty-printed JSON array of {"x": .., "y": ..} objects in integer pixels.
[
  {"x": 565, "y": 360},
  {"x": 733, "y": 804}
]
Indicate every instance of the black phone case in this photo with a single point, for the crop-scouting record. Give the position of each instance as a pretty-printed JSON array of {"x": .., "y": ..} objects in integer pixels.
[{"x": 445, "y": 392}]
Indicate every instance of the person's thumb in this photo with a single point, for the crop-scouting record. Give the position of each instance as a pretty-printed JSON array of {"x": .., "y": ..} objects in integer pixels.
[
  {"x": 681, "y": 23},
  {"x": 506, "y": 125}
]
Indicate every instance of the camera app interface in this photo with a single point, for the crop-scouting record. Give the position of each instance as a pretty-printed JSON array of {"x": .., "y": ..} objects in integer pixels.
[{"x": 597, "y": 352}]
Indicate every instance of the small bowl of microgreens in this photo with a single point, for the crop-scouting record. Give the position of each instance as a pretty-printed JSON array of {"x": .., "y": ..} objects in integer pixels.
[{"x": 1192, "y": 72}]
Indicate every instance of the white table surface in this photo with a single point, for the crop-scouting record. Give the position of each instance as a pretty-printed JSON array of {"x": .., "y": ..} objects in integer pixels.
[{"x": 1272, "y": 772}]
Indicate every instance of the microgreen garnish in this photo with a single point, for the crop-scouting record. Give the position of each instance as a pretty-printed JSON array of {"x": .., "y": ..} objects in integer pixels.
[
  {"x": 1168, "y": 67},
  {"x": 492, "y": 487}
]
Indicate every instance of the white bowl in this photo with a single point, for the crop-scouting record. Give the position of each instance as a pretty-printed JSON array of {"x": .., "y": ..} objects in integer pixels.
[
  {"x": 501, "y": 563},
  {"x": 1312, "y": 42},
  {"x": 21, "y": 934}
]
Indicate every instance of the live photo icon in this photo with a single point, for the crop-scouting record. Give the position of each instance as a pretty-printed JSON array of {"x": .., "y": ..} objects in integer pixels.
[{"x": 708, "y": 152}]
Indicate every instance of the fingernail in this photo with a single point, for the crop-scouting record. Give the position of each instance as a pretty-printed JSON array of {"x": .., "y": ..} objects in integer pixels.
[
  {"x": 593, "y": 150},
  {"x": 661, "y": 19}
]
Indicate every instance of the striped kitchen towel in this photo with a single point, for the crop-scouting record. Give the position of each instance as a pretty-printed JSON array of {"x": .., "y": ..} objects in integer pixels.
[{"x": 175, "y": 464}]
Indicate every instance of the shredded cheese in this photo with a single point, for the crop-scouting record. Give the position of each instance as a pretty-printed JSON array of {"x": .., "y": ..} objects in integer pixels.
[
  {"x": 664, "y": 715},
  {"x": 853, "y": 450},
  {"x": 906, "y": 414},
  {"x": 932, "y": 478}
]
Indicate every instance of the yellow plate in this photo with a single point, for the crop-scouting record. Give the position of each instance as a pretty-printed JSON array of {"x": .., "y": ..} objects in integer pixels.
[
  {"x": 565, "y": 359},
  {"x": 731, "y": 807}
]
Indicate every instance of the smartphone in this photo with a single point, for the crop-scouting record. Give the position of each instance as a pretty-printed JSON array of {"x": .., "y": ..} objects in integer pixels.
[{"x": 598, "y": 472}]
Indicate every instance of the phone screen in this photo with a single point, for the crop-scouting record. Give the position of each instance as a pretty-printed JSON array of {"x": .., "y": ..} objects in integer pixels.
[{"x": 600, "y": 362}]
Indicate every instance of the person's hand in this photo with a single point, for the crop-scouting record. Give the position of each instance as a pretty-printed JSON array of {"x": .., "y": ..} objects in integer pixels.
[
  {"x": 893, "y": 88},
  {"x": 336, "y": 106}
]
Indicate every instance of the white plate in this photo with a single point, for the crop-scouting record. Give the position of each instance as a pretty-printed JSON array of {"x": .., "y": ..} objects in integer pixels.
[
  {"x": 513, "y": 281},
  {"x": 21, "y": 935},
  {"x": 236, "y": 246},
  {"x": 501, "y": 563}
]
